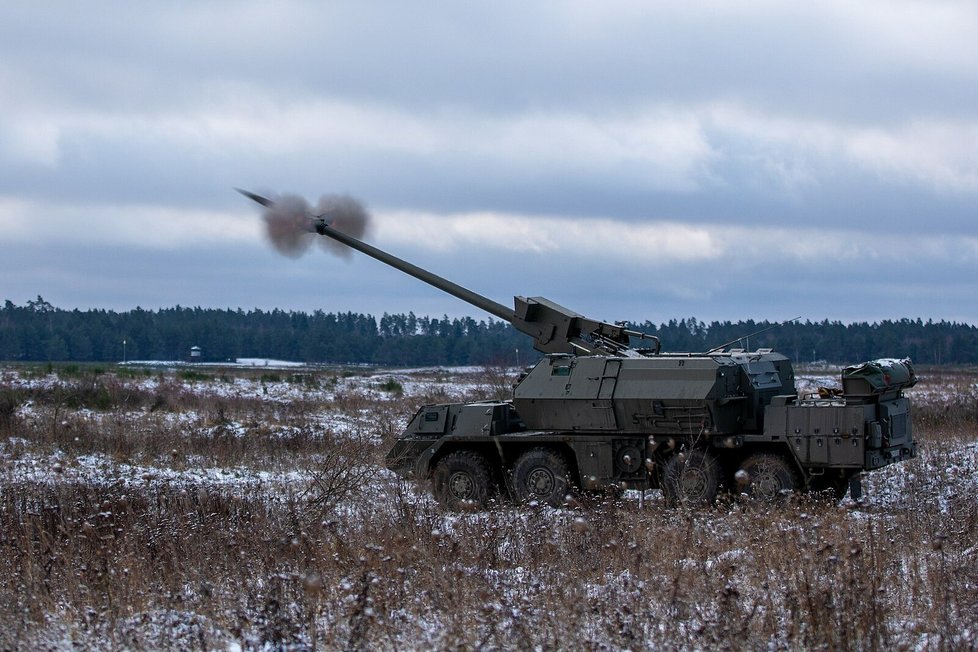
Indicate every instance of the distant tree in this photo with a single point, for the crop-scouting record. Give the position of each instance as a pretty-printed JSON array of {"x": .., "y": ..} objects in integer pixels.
[{"x": 40, "y": 331}]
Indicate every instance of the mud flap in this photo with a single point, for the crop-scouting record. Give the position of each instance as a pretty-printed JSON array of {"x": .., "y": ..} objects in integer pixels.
[{"x": 856, "y": 487}]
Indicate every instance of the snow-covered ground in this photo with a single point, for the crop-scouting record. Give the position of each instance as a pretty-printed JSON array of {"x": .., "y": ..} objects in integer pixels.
[
  {"x": 340, "y": 403},
  {"x": 346, "y": 403}
]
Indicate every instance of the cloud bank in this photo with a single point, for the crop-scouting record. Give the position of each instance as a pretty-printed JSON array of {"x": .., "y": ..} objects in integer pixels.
[{"x": 645, "y": 160}]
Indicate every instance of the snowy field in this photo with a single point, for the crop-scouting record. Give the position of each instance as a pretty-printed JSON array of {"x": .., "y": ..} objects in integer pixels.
[{"x": 246, "y": 506}]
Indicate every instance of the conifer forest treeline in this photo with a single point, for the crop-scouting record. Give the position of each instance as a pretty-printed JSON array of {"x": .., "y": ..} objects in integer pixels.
[{"x": 39, "y": 331}]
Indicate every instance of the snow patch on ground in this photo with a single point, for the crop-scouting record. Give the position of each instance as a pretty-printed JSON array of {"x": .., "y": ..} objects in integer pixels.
[{"x": 102, "y": 470}]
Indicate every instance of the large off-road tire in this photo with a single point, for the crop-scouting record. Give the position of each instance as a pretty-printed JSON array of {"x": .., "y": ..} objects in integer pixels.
[
  {"x": 691, "y": 478},
  {"x": 462, "y": 479},
  {"x": 769, "y": 477},
  {"x": 541, "y": 474}
]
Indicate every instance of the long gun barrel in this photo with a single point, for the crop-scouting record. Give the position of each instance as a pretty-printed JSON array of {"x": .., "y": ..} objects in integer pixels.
[
  {"x": 476, "y": 299},
  {"x": 554, "y": 328}
]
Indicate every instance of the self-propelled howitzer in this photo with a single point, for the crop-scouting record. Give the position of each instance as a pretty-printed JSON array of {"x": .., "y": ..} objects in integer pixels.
[{"x": 595, "y": 415}]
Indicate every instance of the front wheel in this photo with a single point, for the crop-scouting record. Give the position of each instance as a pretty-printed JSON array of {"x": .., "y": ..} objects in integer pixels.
[
  {"x": 462, "y": 478},
  {"x": 541, "y": 474},
  {"x": 691, "y": 478}
]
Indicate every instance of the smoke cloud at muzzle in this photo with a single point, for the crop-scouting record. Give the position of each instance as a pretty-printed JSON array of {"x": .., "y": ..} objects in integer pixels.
[
  {"x": 290, "y": 223},
  {"x": 343, "y": 213}
]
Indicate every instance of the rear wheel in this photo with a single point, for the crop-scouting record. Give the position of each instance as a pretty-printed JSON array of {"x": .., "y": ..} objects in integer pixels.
[
  {"x": 691, "y": 478},
  {"x": 768, "y": 477},
  {"x": 462, "y": 478},
  {"x": 541, "y": 474}
]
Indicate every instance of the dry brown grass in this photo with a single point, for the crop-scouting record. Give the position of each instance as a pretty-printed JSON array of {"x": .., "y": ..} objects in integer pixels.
[{"x": 173, "y": 561}]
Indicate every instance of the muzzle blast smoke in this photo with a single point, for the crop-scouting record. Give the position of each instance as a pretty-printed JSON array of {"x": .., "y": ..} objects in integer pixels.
[{"x": 290, "y": 222}]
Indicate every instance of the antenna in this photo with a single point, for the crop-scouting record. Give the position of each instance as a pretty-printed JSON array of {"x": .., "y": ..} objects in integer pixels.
[{"x": 750, "y": 335}]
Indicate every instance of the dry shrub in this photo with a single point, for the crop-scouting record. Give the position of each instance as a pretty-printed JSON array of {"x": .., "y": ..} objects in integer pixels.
[
  {"x": 346, "y": 467},
  {"x": 497, "y": 382},
  {"x": 11, "y": 398}
]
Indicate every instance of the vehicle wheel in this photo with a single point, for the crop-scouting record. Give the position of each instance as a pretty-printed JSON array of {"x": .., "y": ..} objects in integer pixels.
[
  {"x": 541, "y": 474},
  {"x": 769, "y": 477},
  {"x": 462, "y": 478},
  {"x": 691, "y": 478}
]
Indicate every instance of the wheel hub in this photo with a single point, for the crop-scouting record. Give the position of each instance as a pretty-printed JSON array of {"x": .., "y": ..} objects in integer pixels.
[
  {"x": 541, "y": 482},
  {"x": 461, "y": 485},
  {"x": 767, "y": 485},
  {"x": 693, "y": 483}
]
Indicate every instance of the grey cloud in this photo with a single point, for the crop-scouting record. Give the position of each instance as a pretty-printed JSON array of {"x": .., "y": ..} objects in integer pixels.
[{"x": 504, "y": 54}]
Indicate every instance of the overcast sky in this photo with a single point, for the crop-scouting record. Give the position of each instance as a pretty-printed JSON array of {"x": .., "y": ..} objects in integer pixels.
[{"x": 629, "y": 160}]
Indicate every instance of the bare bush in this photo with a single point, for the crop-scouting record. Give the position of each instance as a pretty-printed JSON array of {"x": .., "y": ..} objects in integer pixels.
[
  {"x": 10, "y": 401},
  {"x": 497, "y": 382},
  {"x": 347, "y": 467}
]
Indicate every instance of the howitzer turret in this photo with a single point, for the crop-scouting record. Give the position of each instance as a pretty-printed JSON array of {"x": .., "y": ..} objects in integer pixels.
[{"x": 596, "y": 414}]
